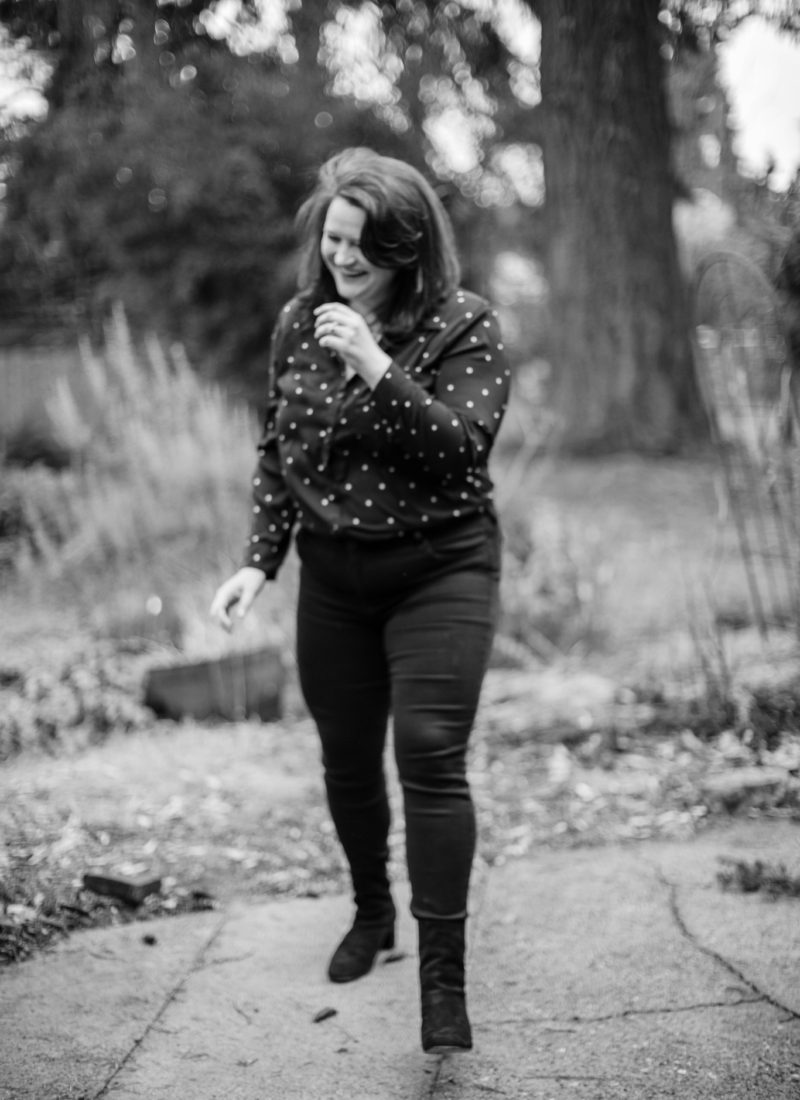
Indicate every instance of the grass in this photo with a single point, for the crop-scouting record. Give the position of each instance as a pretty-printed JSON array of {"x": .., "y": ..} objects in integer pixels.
[{"x": 152, "y": 465}]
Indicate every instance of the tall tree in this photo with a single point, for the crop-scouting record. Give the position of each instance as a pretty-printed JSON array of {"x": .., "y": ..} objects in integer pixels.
[
  {"x": 623, "y": 374},
  {"x": 620, "y": 335}
]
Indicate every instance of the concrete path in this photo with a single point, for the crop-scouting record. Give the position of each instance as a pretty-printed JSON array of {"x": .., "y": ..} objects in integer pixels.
[{"x": 607, "y": 973}]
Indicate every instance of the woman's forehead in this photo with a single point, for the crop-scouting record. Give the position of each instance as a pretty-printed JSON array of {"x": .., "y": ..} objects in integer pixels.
[{"x": 344, "y": 219}]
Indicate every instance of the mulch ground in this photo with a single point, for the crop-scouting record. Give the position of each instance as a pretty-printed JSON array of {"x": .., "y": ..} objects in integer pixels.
[{"x": 215, "y": 812}]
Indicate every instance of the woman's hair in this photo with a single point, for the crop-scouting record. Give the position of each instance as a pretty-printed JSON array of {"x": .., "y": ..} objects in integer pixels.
[{"x": 406, "y": 229}]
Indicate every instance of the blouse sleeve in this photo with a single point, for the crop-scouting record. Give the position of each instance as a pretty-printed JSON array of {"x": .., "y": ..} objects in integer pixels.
[
  {"x": 274, "y": 511},
  {"x": 453, "y": 428}
]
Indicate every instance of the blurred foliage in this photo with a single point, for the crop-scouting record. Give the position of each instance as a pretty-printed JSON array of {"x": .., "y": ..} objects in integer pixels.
[
  {"x": 192, "y": 160},
  {"x": 153, "y": 471},
  {"x": 168, "y": 170},
  {"x": 180, "y": 203},
  {"x": 552, "y": 583}
]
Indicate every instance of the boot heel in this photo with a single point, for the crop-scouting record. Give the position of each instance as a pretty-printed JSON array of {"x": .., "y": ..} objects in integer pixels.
[{"x": 445, "y": 1024}]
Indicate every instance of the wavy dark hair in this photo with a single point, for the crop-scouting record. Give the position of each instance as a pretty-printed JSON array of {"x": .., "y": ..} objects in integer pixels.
[{"x": 406, "y": 229}]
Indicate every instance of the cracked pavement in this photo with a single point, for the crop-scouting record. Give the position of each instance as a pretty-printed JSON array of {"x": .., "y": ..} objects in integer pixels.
[{"x": 605, "y": 973}]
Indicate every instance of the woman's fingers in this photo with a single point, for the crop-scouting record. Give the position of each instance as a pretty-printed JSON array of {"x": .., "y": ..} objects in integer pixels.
[
  {"x": 244, "y": 602},
  {"x": 225, "y": 598},
  {"x": 341, "y": 328},
  {"x": 334, "y": 309},
  {"x": 331, "y": 321},
  {"x": 239, "y": 592},
  {"x": 337, "y": 316}
]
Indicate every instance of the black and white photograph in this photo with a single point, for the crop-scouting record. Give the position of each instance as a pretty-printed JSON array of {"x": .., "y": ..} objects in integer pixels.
[{"x": 399, "y": 550}]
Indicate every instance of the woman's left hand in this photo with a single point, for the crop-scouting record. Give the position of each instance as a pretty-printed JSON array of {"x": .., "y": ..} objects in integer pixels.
[{"x": 346, "y": 332}]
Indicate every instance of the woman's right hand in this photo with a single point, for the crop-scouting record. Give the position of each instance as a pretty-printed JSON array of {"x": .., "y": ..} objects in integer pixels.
[{"x": 237, "y": 591}]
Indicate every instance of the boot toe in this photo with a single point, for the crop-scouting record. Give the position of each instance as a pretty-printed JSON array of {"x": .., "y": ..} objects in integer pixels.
[{"x": 355, "y": 955}]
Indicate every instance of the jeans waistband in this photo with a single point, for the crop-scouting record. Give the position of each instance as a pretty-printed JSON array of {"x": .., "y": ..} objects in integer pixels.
[{"x": 433, "y": 532}]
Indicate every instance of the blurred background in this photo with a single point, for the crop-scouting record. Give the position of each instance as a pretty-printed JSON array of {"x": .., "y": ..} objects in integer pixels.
[{"x": 624, "y": 186}]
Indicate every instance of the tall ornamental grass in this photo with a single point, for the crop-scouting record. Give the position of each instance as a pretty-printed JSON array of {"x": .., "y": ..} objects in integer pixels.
[
  {"x": 152, "y": 510},
  {"x": 160, "y": 463}
]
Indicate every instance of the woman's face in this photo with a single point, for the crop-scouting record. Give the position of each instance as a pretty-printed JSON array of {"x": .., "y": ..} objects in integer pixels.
[{"x": 360, "y": 283}]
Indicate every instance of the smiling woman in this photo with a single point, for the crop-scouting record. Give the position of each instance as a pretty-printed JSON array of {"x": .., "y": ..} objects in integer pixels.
[
  {"x": 361, "y": 283},
  {"x": 386, "y": 388}
]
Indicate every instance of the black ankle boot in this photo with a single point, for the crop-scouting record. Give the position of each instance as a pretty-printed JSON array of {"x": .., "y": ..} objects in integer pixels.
[
  {"x": 445, "y": 1024},
  {"x": 355, "y": 955}
]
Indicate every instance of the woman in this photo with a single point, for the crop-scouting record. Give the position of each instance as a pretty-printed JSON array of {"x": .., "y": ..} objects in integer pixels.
[{"x": 387, "y": 386}]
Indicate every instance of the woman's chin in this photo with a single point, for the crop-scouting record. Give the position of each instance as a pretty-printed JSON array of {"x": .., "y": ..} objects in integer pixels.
[
  {"x": 349, "y": 289},
  {"x": 355, "y": 300}
]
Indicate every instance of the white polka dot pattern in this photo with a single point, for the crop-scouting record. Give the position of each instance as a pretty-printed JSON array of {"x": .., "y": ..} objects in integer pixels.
[{"x": 411, "y": 453}]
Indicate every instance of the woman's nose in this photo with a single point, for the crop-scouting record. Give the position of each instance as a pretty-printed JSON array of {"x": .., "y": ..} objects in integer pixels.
[{"x": 342, "y": 253}]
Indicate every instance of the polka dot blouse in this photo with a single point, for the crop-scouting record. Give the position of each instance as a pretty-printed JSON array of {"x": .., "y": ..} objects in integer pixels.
[{"x": 409, "y": 455}]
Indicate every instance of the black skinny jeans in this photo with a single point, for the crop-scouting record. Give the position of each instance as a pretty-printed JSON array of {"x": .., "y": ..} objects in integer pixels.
[{"x": 401, "y": 627}]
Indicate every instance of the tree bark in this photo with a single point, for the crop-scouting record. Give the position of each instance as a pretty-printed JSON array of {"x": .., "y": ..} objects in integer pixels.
[
  {"x": 622, "y": 364},
  {"x": 85, "y": 28},
  {"x": 79, "y": 23}
]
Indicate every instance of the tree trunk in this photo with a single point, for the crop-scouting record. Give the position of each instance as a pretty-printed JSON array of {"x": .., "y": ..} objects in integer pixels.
[
  {"x": 622, "y": 364},
  {"x": 85, "y": 29},
  {"x": 82, "y": 23}
]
